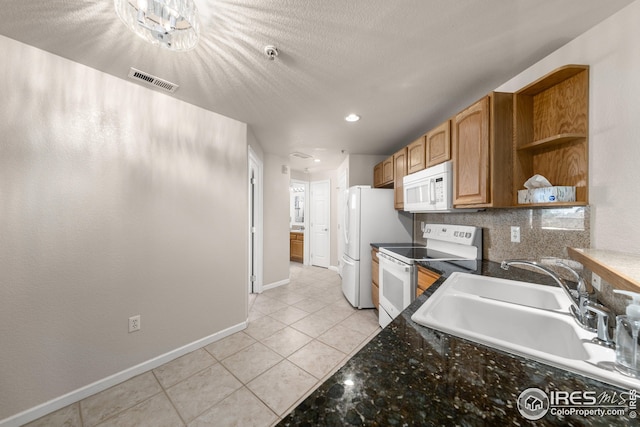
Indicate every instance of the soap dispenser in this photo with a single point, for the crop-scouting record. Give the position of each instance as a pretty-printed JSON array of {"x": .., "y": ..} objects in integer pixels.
[{"x": 627, "y": 330}]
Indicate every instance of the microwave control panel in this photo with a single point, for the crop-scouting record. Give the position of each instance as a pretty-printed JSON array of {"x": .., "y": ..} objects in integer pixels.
[{"x": 439, "y": 193}]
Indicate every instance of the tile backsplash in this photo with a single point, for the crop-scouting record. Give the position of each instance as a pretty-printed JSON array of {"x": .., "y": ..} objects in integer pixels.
[{"x": 544, "y": 232}]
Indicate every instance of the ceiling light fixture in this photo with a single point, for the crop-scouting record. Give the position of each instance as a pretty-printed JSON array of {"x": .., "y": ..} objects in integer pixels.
[
  {"x": 352, "y": 118},
  {"x": 172, "y": 24},
  {"x": 316, "y": 160},
  {"x": 300, "y": 155}
]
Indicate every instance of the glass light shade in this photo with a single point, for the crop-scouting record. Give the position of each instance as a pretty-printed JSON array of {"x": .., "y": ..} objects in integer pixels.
[{"x": 172, "y": 24}]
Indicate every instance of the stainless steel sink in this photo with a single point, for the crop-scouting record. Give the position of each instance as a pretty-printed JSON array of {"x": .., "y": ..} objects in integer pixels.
[{"x": 527, "y": 319}]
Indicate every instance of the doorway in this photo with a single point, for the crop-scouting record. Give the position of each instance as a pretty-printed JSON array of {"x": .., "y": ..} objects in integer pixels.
[
  {"x": 299, "y": 220},
  {"x": 255, "y": 223}
]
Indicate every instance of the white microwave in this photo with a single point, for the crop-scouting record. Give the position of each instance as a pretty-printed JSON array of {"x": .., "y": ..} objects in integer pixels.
[{"x": 430, "y": 190}]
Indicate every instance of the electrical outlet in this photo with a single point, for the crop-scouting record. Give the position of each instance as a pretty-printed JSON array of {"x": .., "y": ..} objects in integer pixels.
[
  {"x": 595, "y": 281},
  {"x": 515, "y": 234},
  {"x": 134, "y": 323}
]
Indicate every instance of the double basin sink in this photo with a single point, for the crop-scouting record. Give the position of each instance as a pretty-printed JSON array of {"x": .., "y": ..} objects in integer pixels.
[{"x": 527, "y": 319}]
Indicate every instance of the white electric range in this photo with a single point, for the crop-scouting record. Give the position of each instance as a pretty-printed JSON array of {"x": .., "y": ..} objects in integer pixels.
[{"x": 457, "y": 244}]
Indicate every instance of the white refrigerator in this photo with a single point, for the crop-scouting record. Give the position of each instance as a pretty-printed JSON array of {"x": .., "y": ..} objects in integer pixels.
[{"x": 369, "y": 217}]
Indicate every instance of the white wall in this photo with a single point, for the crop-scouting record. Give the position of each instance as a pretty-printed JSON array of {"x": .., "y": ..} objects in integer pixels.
[
  {"x": 276, "y": 220},
  {"x": 253, "y": 142},
  {"x": 361, "y": 168},
  {"x": 115, "y": 200},
  {"x": 611, "y": 51},
  {"x": 300, "y": 176}
]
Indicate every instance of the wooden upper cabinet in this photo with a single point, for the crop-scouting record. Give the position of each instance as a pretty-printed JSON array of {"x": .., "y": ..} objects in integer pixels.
[
  {"x": 400, "y": 170},
  {"x": 483, "y": 154},
  {"x": 471, "y": 131},
  {"x": 377, "y": 175},
  {"x": 438, "y": 144},
  {"x": 387, "y": 171},
  {"x": 416, "y": 155},
  {"x": 383, "y": 174}
]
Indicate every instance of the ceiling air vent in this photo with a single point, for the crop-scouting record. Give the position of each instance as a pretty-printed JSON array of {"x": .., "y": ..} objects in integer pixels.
[
  {"x": 152, "y": 80},
  {"x": 300, "y": 155}
]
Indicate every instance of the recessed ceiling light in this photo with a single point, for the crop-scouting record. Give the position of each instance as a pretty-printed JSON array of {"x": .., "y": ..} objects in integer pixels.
[
  {"x": 352, "y": 118},
  {"x": 316, "y": 160}
]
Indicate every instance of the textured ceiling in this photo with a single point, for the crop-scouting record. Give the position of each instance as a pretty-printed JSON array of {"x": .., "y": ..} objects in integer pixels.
[{"x": 403, "y": 65}]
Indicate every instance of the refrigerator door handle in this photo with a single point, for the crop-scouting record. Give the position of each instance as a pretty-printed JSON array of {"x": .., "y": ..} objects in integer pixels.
[{"x": 346, "y": 221}]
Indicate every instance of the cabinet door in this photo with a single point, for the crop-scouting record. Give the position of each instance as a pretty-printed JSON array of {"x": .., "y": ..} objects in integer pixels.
[
  {"x": 375, "y": 271},
  {"x": 375, "y": 295},
  {"x": 415, "y": 155},
  {"x": 471, "y": 154},
  {"x": 399, "y": 171},
  {"x": 297, "y": 249},
  {"x": 377, "y": 175},
  {"x": 375, "y": 266},
  {"x": 438, "y": 144},
  {"x": 426, "y": 278},
  {"x": 387, "y": 171}
]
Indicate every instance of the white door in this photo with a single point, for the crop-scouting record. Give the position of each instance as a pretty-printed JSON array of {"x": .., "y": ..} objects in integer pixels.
[{"x": 319, "y": 223}]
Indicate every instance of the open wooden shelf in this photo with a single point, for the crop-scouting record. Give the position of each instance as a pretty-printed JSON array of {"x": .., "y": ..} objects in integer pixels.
[
  {"x": 550, "y": 205},
  {"x": 552, "y": 141},
  {"x": 551, "y": 130},
  {"x": 557, "y": 76}
]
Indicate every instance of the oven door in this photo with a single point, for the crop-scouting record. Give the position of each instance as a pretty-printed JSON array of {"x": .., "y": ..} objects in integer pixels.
[{"x": 397, "y": 285}]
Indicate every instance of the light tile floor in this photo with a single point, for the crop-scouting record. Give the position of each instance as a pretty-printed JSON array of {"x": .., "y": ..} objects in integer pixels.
[{"x": 298, "y": 335}]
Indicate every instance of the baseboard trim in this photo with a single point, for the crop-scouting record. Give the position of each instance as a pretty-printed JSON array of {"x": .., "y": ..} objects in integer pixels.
[
  {"x": 103, "y": 384},
  {"x": 275, "y": 284}
]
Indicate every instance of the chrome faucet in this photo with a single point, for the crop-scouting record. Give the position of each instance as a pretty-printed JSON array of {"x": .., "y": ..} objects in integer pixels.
[
  {"x": 580, "y": 298},
  {"x": 603, "y": 329}
]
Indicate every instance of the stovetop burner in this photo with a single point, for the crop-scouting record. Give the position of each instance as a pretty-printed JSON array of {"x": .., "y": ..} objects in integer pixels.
[{"x": 444, "y": 242}]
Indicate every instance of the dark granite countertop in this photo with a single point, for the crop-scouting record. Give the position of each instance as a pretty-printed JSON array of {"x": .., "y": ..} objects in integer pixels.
[{"x": 410, "y": 375}]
